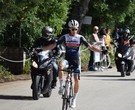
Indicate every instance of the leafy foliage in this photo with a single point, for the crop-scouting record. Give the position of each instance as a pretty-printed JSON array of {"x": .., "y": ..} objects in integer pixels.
[
  {"x": 113, "y": 13},
  {"x": 21, "y": 21},
  {"x": 4, "y": 73}
]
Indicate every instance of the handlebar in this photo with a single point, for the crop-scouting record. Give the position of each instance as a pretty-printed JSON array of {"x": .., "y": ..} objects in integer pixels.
[{"x": 69, "y": 69}]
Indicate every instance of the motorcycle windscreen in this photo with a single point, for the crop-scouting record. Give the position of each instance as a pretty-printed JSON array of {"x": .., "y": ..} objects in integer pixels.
[
  {"x": 127, "y": 52},
  {"x": 43, "y": 59}
]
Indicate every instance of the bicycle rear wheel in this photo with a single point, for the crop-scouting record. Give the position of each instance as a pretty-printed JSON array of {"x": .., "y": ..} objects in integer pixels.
[{"x": 65, "y": 97}]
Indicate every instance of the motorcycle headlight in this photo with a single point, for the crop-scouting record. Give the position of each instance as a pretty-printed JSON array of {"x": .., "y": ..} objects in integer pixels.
[
  {"x": 120, "y": 55},
  {"x": 34, "y": 64}
]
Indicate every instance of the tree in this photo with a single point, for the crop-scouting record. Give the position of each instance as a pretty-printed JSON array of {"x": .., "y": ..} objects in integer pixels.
[
  {"x": 78, "y": 10},
  {"x": 112, "y": 12},
  {"x": 25, "y": 19}
]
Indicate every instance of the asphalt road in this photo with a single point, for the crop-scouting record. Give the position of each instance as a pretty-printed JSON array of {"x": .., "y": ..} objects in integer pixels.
[{"x": 98, "y": 91}]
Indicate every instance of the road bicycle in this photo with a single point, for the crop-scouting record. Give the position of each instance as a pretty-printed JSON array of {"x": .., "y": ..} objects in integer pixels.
[{"x": 68, "y": 89}]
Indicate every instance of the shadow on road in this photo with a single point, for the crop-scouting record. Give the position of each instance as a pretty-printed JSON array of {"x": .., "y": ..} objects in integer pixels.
[
  {"x": 11, "y": 97},
  {"x": 118, "y": 79},
  {"x": 109, "y": 76},
  {"x": 100, "y": 76}
]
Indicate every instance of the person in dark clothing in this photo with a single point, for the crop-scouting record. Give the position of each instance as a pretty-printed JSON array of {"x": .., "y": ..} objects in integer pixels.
[
  {"x": 46, "y": 40},
  {"x": 115, "y": 34},
  {"x": 125, "y": 39}
]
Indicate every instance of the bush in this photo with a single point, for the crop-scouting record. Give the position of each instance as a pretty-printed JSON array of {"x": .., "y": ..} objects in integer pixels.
[
  {"x": 5, "y": 74},
  {"x": 85, "y": 53},
  {"x": 26, "y": 69}
]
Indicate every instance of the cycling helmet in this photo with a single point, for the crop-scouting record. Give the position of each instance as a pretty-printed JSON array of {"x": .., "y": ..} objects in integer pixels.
[
  {"x": 73, "y": 24},
  {"x": 47, "y": 32}
]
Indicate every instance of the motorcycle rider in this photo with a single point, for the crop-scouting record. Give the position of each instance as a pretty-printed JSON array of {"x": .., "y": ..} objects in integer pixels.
[
  {"x": 125, "y": 39},
  {"x": 46, "y": 40}
]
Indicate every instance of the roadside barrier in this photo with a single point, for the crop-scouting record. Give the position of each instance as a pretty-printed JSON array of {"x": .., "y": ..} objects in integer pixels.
[
  {"x": 13, "y": 61},
  {"x": 20, "y": 61}
]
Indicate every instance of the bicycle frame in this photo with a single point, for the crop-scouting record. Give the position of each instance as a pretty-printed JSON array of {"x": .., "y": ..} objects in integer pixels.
[{"x": 68, "y": 90}]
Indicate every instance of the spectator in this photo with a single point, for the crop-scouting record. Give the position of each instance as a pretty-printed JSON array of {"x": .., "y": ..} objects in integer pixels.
[
  {"x": 94, "y": 40},
  {"x": 115, "y": 34},
  {"x": 107, "y": 42},
  {"x": 102, "y": 38}
]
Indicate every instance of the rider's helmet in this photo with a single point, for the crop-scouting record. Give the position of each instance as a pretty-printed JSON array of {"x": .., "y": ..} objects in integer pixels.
[
  {"x": 126, "y": 31},
  {"x": 47, "y": 32},
  {"x": 73, "y": 24},
  {"x": 126, "y": 34}
]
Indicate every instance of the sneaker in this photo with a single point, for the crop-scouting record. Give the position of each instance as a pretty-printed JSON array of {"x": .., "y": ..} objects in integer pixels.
[
  {"x": 102, "y": 67},
  {"x": 73, "y": 104},
  {"x": 110, "y": 67},
  {"x": 92, "y": 69},
  {"x": 96, "y": 68},
  {"x": 60, "y": 90}
]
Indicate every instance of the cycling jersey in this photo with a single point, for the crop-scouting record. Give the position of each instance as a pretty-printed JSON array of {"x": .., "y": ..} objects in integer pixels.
[{"x": 72, "y": 45}]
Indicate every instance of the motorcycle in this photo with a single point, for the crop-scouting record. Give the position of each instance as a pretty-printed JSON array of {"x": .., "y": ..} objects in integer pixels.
[
  {"x": 124, "y": 59},
  {"x": 42, "y": 70},
  {"x": 42, "y": 74}
]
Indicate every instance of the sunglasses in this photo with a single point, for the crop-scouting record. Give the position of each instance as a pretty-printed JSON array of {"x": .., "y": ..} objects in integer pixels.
[{"x": 74, "y": 29}]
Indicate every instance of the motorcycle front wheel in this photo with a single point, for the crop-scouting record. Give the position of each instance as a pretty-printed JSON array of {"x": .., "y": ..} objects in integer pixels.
[
  {"x": 49, "y": 92},
  {"x": 37, "y": 87},
  {"x": 123, "y": 72}
]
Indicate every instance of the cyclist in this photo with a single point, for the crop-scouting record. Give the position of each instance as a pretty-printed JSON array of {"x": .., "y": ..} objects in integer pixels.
[
  {"x": 46, "y": 40},
  {"x": 72, "y": 42}
]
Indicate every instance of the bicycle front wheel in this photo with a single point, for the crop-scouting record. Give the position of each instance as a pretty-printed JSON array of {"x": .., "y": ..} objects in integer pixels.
[{"x": 65, "y": 97}]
